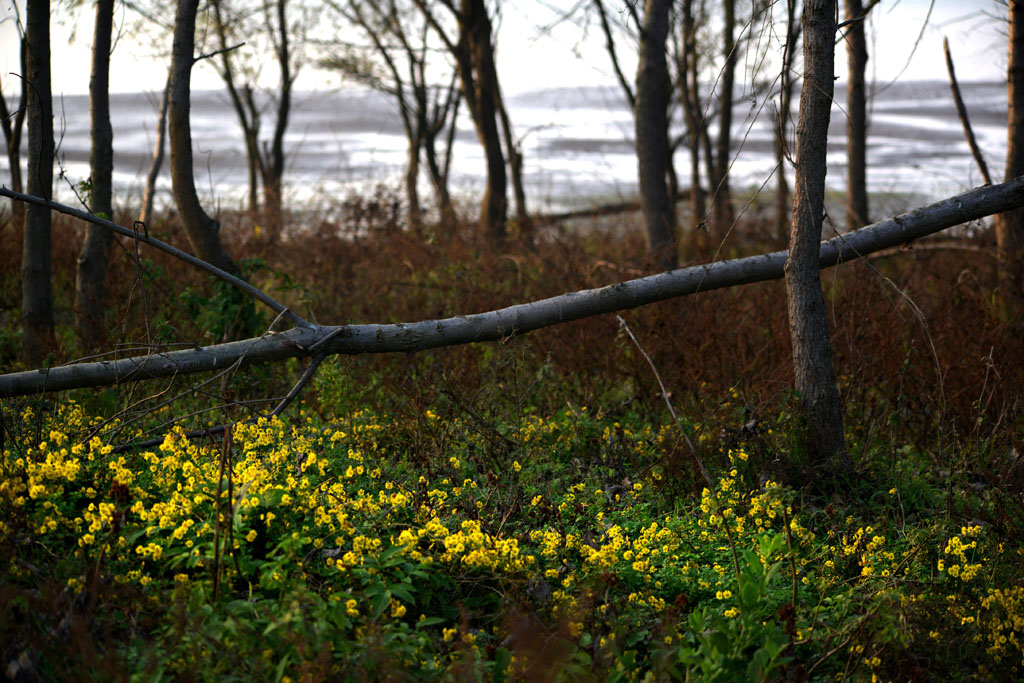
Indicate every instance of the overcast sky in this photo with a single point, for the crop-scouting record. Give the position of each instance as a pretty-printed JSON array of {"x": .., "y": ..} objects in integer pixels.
[{"x": 528, "y": 61}]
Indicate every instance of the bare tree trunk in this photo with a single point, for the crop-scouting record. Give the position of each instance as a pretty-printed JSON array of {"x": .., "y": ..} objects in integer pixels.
[
  {"x": 12, "y": 127},
  {"x": 438, "y": 173},
  {"x": 1010, "y": 225},
  {"x": 652, "y": 144},
  {"x": 783, "y": 209},
  {"x": 412, "y": 176},
  {"x": 690, "y": 97},
  {"x": 856, "y": 118},
  {"x": 36, "y": 289},
  {"x": 477, "y": 31},
  {"x": 203, "y": 232},
  {"x": 474, "y": 58},
  {"x": 515, "y": 166},
  {"x": 722, "y": 215},
  {"x": 91, "y": 274},
  {"x": 248, "y": 117},
  {"x": 149, "y": 193},
  {"x": 808, "y": 319},
  {"x": 272, "y": 165}
]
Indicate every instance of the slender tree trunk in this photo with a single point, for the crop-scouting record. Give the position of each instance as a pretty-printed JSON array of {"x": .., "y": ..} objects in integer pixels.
[
  {"x": 721, "y": 207},
  {"x": 12, "y": 127},
  {"x": 690, "y": 95},
  {"x": 149, "y": 193},
  {"x": 203, "y": 232},
  {"x": 412, "y": 176},
  {"x": 808, "y": 320},
  {"x": 856, "y": 119},
  {"x": 273, "y": 159},
  {"x": 652, "y": 144},
  {"x": 783, "y": 208},
  {"x": 477, "y": 30},
  {"x": 1010, "y": 225},
  {"x": 515, "y": 167},
  {"x": 244, "y": 106},
  {"x": 438, "y": 173},
  {"x": 37, "y": 294},
  {"x": 92, "y": 262}
]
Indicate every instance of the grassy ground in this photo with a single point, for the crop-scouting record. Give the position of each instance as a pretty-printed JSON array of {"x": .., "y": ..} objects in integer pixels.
[{"x": 526, "y": 509}]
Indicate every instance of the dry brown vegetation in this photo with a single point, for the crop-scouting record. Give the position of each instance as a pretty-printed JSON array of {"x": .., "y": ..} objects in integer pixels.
[{"x": 916, "y": 332}]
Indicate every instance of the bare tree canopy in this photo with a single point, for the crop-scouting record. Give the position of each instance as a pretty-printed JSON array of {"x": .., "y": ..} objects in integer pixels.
[{"x": 519, "y": 319}]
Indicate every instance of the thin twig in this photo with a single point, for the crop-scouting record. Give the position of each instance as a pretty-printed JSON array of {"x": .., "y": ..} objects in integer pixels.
[
  {"x": 668, "y": 402},
  {"x": 255, "y": 293},
  {"x": 211, "y": 55}
]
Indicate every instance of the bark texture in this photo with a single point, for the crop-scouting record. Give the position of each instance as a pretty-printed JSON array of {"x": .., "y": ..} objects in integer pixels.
[
  {"x": 856, "y": 118},
  {"x": 1010, "y": 225},
  {"x": 651, "y": 121},
  {"x": 722, "y": 215},
  {"x": 519, "y": 319},
  {"x": 36, "y": 288},
  {"x": 91, "y": 273},
  {"x": 815, "y": 380},
  {"x": 203, "y": 232},
  {"x": 783, "y": 208}
]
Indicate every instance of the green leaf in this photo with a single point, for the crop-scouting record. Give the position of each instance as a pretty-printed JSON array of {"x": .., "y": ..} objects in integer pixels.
[
  {"x": 502, "y": 661},
  {"x": 402, "y": 590},
  {"x": 380, "y": 603},
  {"x": 750, "y": 593}
]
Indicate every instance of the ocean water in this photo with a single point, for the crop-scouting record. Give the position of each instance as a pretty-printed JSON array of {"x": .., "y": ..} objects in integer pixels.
[{"x": 577, "y": 145}]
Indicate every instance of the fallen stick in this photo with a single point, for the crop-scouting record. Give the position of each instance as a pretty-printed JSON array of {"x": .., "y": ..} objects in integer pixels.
[{"x": 521, "y": 318}]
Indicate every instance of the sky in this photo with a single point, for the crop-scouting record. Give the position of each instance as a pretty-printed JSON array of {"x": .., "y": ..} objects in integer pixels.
[{"x": 529, "y": 58}]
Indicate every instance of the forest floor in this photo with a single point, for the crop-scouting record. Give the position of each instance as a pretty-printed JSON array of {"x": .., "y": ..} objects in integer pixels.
[{"x": 526, "y": 509}]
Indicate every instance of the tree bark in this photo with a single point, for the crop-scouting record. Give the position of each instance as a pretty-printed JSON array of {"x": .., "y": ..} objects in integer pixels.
[
  {"x": 37, "y": 294},
  {"x": 690, "y": 96},
  {"x": 474, "y": 60},
  {"x": 92, "y": 262},
  {"x": 412, "y": 178},
  {"x": 856, "y": 118},
  {"x": 243, "y": 104},
  {"x": 12, "y": 126},
  {"x": 1010, "y": 225},
  {"x": 514, "y": 153},
  {"x": 203, "y": 232},
  {"x": 438, "y": 173},
  {"x": 965, "y": 121},
  {"x": 519, "y": 319},
  {"x": 651, "y": 121},
  {"x": 149, "y": 193},
  {"x": 808, "y": 320},
  {"x": 722, "y": 215},
  {"x": 475, "y": 27},
  {"x": 273, "y": 161},
  {"x": 783, "y": 208}
]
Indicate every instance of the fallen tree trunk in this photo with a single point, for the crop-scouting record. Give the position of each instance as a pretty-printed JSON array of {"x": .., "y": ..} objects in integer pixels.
[{"x": 521, "y": 318}]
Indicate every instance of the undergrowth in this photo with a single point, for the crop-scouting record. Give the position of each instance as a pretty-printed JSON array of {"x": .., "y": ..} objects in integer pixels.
[{"x": 521, "y": 510}]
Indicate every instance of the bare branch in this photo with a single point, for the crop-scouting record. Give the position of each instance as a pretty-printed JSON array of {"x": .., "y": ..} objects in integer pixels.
[
  {"x": 521, "y": 318},
  {"x": 961, "y": 110},
  {"x": 255, "y": 293},
  {"x": 223, "y": 50}
]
